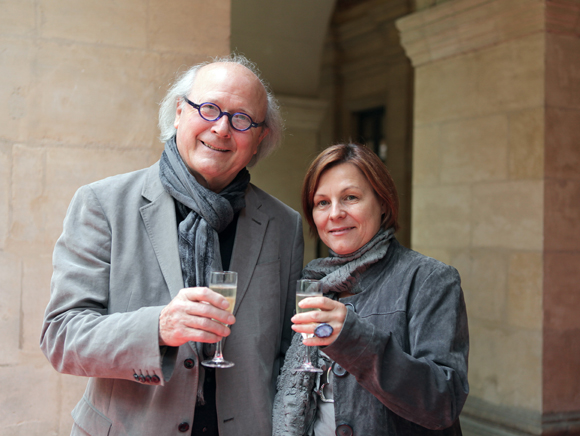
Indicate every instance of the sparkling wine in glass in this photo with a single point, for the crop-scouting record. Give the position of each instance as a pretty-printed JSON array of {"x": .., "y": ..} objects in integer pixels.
[
  {"x": 224, "y": 283},
  {"x": 306, "y": 289}
]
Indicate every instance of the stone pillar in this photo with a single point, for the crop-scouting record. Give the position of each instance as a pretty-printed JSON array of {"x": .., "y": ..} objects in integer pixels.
[
  {"x": 282, "y": 173},
  {"x": 81, "y": 83},
  {"x": 496, "y": 193}
]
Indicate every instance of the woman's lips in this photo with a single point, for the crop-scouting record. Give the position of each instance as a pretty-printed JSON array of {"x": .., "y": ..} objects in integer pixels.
[{"x": 340, "y": 230}]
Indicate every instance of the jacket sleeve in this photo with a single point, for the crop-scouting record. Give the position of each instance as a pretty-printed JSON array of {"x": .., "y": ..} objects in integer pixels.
[
  {"x": 79, "y": 335},
  {"x": 425, "y": 380},
  {"x": 296, "y": 264}
]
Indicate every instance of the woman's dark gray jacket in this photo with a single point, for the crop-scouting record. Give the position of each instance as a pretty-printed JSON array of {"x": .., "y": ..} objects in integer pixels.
[{"x": 404, "y": 346}]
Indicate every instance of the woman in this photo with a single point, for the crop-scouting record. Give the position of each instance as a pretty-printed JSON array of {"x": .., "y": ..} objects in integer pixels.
[{"x": 395, "y": 355}]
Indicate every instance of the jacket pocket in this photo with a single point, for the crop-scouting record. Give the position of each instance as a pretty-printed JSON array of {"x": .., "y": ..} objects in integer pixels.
[{"x": 90, "y": 419}]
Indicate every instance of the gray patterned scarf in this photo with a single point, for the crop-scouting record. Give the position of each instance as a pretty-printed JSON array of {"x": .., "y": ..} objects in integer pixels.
[
  {"x": 295, "y": 403},
  {"x": 206, "y": 214}
]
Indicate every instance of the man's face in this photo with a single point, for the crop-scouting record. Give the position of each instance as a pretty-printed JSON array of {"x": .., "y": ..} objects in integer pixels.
[{"x": 213, "y": 151}]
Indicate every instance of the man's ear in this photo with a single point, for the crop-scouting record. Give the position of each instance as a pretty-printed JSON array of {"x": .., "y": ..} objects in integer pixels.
[
  {"x": 178, "y": 111},
  {"x": 263, "y": 134}
]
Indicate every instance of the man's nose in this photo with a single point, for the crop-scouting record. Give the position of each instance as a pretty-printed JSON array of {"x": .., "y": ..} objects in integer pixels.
[{"x": 222, "y": 126}]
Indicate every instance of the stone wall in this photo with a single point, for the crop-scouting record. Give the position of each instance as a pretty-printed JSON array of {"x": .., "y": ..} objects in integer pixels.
[
  {"x": 495, "y": 193},
  {"x": 81, "y": 82}
]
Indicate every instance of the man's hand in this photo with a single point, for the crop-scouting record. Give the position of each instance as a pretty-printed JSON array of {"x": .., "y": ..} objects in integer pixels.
[{"x": 193, "y": 315}]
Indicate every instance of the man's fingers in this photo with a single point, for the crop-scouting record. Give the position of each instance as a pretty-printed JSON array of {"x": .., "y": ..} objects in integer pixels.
[
  {"x": 205, "y": 295},
  {"x": 204, "y": 310},
  {"x": 195, "y": 314}
]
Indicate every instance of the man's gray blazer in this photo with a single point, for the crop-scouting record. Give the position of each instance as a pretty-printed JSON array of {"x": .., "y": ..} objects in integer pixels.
[{"x": 116, "y": 265}]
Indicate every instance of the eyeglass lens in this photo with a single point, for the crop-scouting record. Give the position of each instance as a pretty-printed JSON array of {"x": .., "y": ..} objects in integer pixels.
[{"x": 212, "y": 112}]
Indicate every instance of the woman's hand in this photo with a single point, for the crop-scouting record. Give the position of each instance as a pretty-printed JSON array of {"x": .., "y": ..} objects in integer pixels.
[{"x": 331, "y": 312}]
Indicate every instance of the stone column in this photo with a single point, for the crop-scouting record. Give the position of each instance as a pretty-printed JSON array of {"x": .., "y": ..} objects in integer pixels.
[
  {"x": 303, "y": 118},
  {"x": 81, "y": 83},
  {"x": 496, "y": 193}
]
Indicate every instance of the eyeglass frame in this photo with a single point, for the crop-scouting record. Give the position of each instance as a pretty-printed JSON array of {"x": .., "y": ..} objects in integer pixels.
[{"x": 222, "y": 113}]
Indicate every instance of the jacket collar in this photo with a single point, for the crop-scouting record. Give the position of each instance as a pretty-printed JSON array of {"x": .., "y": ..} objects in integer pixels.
[{"x": 161, "y": 224}]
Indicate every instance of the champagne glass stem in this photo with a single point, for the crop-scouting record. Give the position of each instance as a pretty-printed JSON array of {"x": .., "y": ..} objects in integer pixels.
[
  {"x": 306, "y": 354},
  {"x": 218, "y": 351}
]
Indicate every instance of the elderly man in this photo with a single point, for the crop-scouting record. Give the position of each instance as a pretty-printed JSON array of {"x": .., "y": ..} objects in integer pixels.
[{"x": 129, "y": 305}]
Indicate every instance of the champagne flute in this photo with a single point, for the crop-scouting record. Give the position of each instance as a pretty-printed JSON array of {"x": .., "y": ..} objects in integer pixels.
[
  {"x": 224, "y": 283},
  {"x": 306, "y": 289}
]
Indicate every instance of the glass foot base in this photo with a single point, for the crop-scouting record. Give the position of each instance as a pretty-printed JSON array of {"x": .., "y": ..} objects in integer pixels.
[
  {"x": 217, "y": 363},
  {"x": 306, "y": 367}
]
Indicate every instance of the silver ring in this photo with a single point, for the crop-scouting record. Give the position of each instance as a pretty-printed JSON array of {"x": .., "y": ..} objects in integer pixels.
[{"x": 323, "y": 330}]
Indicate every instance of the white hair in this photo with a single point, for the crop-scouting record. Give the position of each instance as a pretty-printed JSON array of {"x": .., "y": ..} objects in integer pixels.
[{"x": 183, "y": 86}]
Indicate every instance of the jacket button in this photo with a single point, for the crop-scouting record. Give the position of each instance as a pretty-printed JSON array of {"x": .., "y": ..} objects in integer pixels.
[
  {"x": 136, "y": 377},
  {"x": 142, "y": 378},
  {"x": 338, "y": 370},
  {"x": 155, "y": 379},
  {"x": 183, "y": 427},
  {"x": 148, "y": 378},
  {"x": 344, "y": 430},
  {"x": 189, "y": 363}
]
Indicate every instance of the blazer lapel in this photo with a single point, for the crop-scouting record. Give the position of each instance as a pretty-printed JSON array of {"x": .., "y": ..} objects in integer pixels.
[
  {"x": 250, "y": 233},
  {"x": 160, "y": 222}
]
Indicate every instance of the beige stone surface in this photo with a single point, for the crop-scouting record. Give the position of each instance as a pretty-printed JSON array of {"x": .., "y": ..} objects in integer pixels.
[
  {"x": 562, "y": 291},
  {"x": 505, "y": 365},
  {"x": 95, "y": 94},
  {"x": 462, "y": 26},
  {"x": 501, "y": 78},
  {"x": 36, "y": 274},
  {"x": 44, "y": 181},
  {"x": 447, "y": 90},
  {"x": 29, "y": 400},
  {"x": 17, "y": 17},
  {"x": 427, "y": 155},
  {"x": 562, "y": 215},
  {"x": 562, "y": 155},
  {"x": 441, "y": 216},
  {"x": 176, "y": 26},
  {"x": 508, "y": 215},
  {"x": 561, "y": 376},
  {"x": 15, "y": 69},
  {"x": 95, "y": 21},
  {"x": 27, "y": 225},
  {"x": 511, "y": 76},
  {"x": 526, "y": 143},
  {"x": 5, "y": 179},
  {"x": 562, "y": 17},
  {"x": 563, "y": 70},
  {"x": 485, "y": 285},
  {"x": 474, "y": 150},
  {"x": 525, "y": 290},
  {"x": 10, "y": 307}
]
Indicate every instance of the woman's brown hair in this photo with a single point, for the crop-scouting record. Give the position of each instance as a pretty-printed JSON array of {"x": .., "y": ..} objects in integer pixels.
[{"x": 368, "y": 163}]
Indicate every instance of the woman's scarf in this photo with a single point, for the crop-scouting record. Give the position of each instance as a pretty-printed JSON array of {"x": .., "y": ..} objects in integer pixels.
[
  {"x": 295, "y": 404},
  {"x": 206, "y": 214}
]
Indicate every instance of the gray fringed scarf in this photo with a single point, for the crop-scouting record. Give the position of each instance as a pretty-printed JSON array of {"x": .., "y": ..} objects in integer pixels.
[
  {"x": 295, "y": 405},
  {"x": 206, "y": 214}
]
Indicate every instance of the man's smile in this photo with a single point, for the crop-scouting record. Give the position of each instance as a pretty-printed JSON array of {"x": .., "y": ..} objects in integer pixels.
[{"x": 223, "y": 150}]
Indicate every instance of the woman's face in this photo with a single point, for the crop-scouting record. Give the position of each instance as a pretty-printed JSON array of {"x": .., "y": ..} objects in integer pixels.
[{"x": 346, "y": 211}]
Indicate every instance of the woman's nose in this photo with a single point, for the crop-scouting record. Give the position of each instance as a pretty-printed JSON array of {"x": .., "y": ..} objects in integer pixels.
[{"x": 337, "y": 211}]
